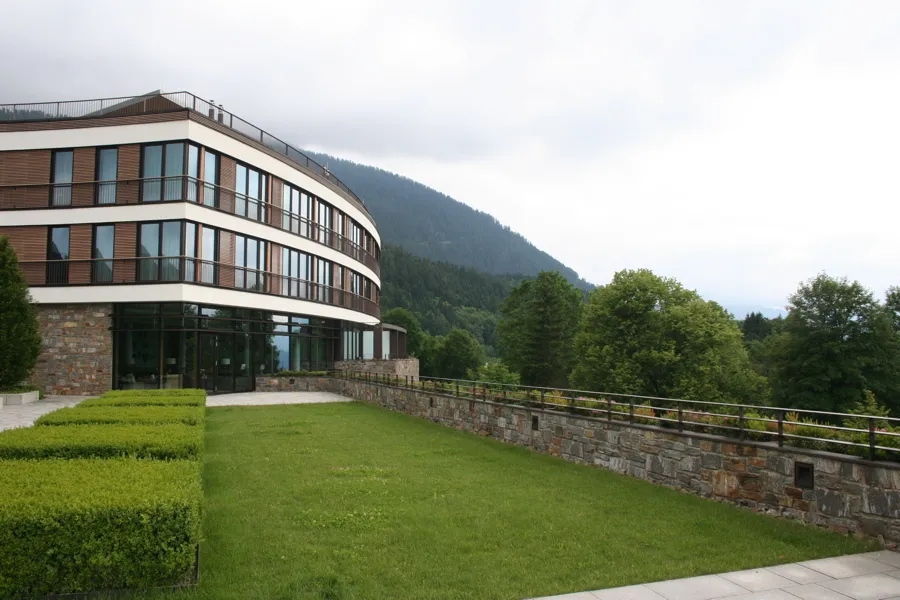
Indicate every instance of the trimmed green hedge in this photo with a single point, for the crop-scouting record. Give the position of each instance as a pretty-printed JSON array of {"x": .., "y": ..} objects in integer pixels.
[
  {"x": 134, "y": 393},
  {"x": 195, "y": 400},
  {"x": 165, "y": 442},
  {"x": 133, "y": 415},
  {"x": 81, "y": 525}
]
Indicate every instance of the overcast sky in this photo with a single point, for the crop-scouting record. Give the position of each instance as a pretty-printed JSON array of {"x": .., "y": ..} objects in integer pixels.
[{"x": 740, "y": 147}]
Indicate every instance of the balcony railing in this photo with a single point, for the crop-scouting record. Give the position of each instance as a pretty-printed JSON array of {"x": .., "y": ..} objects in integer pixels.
[
  {"x": 867, "y": 436},
  {"x": 153, "y": 190},
  {"x": 187, "y": 269},
  {"x": 168, "y": 102}
]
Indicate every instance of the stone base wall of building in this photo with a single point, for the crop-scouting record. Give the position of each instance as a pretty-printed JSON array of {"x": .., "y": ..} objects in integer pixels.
[
  {"x": 293, "y": 384},
  {"x": 848, "y": 495},
  {"x": 401, "y": 367},
  {"x": 77, "y": 349}
]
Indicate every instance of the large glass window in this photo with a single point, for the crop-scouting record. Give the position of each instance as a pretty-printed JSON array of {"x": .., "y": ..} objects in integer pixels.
[
  {"x": 324, "y": 223},
  {"x": 62, "y": 167},
  {"x": 250, "y": 262},
  {"x": 164, "y": 167},
  {"x": 160, "y": 251},
  {"x": 295, "y": 266},
  {"x": 107, "y": 173},
  {"x": 356, "y": 240},
  {"x": 323, "y": 279},
  {"x": 58, "y": 256},
  {"x": 102, "y": 253},
  {"x": 209, "y": 255},
  {"x": 250, "y": 193},
  {"x": 137, "y": 359},
  {"x": 210, "y": 178},
  {"x": 190, "y": 251}
]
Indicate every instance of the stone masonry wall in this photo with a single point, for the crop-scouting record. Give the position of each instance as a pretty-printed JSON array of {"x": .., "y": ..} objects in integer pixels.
[
  {"x": 292, "y": 384},
  {"x": 77, "y": 349},
  {"x": 850, "y": 495},
  {"x": 402, "y": 367}
]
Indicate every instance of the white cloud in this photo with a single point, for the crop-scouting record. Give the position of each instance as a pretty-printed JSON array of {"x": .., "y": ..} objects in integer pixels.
[{"x": 740, "y": 147}]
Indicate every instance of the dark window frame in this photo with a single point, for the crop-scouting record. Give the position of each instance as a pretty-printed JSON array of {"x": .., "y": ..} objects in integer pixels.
[
  {"x": 64, "y": 185},
  {"x": 105, "y": 183},
  {"x": 111, "y": 259},
  {"x": 159, "y": 257},
  {"x": 57, "y": 271},
  {"x": 186, "y": 178},
  {"x": 263, "y": 200}
]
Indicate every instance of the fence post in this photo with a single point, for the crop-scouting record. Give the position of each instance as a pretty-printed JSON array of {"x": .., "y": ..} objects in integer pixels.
[
  {"x": 680, "y": 418},
  {"x": 609, "y": 409},
  {"x": 631, "y": 410},
  {"x": 456, "y": 381},
  {"x": 484, "y": 392},
  {"x": 542, "y": 399},
  {"x": 741, "y": 423},
  {"x": 871, "y": 438},
  {"x": 504, "y": 393},
  {"x": 780, "y": 428}
]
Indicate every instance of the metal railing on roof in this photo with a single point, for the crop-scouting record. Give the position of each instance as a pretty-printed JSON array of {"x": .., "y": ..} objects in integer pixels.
[{"x": 158, "y": 102}]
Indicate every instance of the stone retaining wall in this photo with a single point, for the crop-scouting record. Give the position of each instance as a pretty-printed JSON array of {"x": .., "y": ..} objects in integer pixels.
[
  {"x": 292, "y": 384},
  {"x": 401, "y": 367},
  {"x": 849, "y": 495},
  {"x": 76, "y": 349}
]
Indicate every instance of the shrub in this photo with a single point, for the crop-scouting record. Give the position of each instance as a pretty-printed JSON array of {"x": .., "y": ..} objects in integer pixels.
[
  {"x": 135, "y": 415},
  {"x": 90, "y": 524},
  {"x": 164, "y": 442},
  {"x": 20, "y": 342},
  {"x": 144, "y": 401},
  {"x": 144, "y": 393}
]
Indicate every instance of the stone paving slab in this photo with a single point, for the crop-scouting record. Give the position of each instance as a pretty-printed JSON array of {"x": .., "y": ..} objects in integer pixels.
[
  {"x": 868, "y": 576},
  {"x": 272, "y": 398},
  {"x": 24, "y": 415}
]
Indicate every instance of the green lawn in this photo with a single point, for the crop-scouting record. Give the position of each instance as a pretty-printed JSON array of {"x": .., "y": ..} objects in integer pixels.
[{"x": 349, "y": 501}]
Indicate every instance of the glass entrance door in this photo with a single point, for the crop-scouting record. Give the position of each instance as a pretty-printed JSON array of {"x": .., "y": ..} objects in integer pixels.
[{"x": 208, "y": 362}]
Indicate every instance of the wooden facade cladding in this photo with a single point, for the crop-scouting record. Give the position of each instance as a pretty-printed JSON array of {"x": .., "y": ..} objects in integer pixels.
[
  {"x": 226, "y": 256},
  {"x": 10, "y": 126},
  {"x": 129, "y": 168},
  {"x": 125, "y": 246},
  {"x": 83, "y": 169},
  {"x": 30, "y": 244},
  {"x": 228, "y": 180}
]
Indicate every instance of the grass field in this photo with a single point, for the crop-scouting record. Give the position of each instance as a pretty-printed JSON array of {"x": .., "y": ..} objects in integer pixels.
[{"x": 349, "y": 501}]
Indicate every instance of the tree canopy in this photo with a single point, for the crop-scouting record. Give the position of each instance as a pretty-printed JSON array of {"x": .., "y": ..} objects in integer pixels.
[
  {"x": 838, "y": 342},
  {"x": 536, "y": 332},
  {"x": 20, "y": 341},
  {"x": 457, "y": 354},
  {"x": 645, "y": 334}
]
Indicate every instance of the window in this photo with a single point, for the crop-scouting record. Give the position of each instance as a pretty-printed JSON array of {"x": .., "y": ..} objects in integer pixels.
[
  {"x": 58, "y": 256},
  {"x": 62, "y": 162},
  {"x": 160, "y": 251},
  {"x": 295, "y": 267},
  {"x": 250, "y": 262},
  {"x": 250, "y": 193},
  {"x": 163, "y": 168},
  {"x": 190, "y": 251},
  {"x": 323, "y": 279},
  {"x": 324, "y": 223},
  {"x": 210, "y": 178},
  {"x": 102, "y": 253},
  {"x": 355, "y": 240},
  {"x": 107, "y": 173},
  {"x": 209, "y": 254}
]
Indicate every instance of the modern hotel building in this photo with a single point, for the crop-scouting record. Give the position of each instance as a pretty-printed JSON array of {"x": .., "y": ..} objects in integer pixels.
[{"x": 168, "y": 243}]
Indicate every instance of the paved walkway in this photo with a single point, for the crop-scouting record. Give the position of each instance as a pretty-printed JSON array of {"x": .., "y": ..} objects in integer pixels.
[
  {"x": 267, "y": 398},
  {"x": 24, "y": 415},
  {"x": 870, "y": 576}
]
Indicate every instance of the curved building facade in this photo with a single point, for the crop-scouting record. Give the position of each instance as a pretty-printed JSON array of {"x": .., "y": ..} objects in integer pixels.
[{"x": 168, "y": 244}]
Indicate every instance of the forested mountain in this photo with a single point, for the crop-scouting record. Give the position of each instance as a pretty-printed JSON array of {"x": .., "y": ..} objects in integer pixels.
[
  {"x": 444, "y": 296},
  {"x": 435, "y": 226}
]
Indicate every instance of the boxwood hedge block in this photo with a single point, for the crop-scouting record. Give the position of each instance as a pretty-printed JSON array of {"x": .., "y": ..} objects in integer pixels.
[
  {"x": 135, "y": 415},
  {"x": 83, "y": 525},
  {"x": 195, "y": 400},
  {"x": 132, "y": 393},
  {"x": 165, "y": 442}
]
